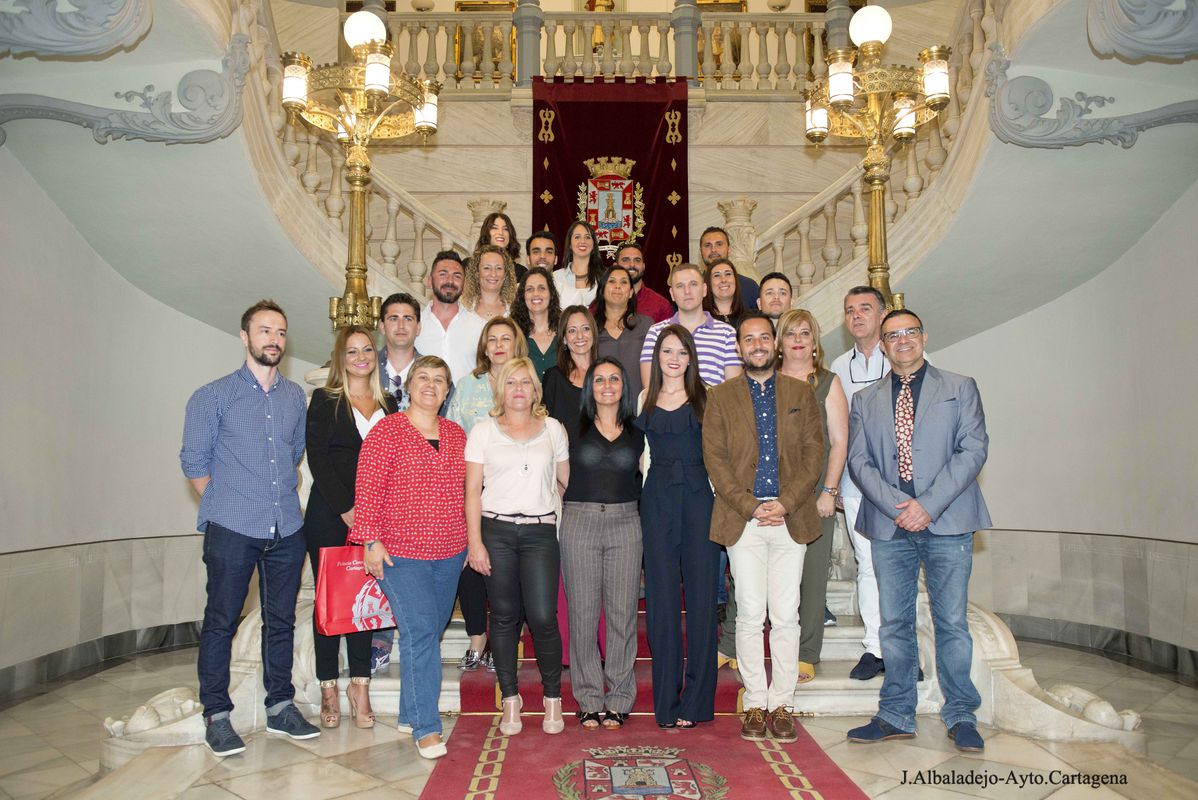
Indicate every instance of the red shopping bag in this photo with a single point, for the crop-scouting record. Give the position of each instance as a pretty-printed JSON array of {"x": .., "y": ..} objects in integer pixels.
[{"x": 347, "y": 599}]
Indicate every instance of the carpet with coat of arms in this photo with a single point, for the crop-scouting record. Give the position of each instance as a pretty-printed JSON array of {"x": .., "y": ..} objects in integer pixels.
[{"x": 710, "y": 762}]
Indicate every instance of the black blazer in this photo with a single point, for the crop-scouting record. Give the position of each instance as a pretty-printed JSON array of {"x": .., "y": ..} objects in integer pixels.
[{"x": 333, "y": 447}]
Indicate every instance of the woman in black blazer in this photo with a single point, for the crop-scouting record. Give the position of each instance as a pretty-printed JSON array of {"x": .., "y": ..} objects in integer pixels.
[{"x": 339, "y": 417}]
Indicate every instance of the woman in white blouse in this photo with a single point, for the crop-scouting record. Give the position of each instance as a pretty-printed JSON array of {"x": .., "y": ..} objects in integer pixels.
[
  {"x": 578, "y": 280},
  {"x": 517, "y": 460}
]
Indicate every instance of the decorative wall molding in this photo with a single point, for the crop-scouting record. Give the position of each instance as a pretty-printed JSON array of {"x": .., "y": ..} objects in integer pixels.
[
  {"x": 1140, "y": 29},
  {"x": 1018, "y": 106},
  {"x": 96, "y": 27},
  {"x": 212, "y": 100}
]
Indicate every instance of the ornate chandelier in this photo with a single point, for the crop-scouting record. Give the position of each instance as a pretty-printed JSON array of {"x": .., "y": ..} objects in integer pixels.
[
  {"x": 359, "y": 103},
  {"x": 875, "y": 103}
]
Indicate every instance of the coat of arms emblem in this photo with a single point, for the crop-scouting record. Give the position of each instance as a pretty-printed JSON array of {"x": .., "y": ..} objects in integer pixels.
[
  {"x": 612, "y": 202},
  {"x": 650, "y": 772}
]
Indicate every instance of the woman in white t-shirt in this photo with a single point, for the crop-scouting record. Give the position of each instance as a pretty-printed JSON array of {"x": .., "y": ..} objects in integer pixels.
[
  {"x": 578, "y": 281},
  {"x": 517, "y": 460}
]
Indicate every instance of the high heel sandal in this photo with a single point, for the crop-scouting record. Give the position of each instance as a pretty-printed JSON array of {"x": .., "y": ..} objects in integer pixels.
[
  {"x": 330, "y": 705},
  {"x": 553, "y": 722},
  {"x": 510, "y": 724},
  {"x": 363, "y": 719}
]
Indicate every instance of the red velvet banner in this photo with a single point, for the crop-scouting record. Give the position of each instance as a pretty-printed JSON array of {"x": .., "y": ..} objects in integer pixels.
[{"x": 613, "y": 154}]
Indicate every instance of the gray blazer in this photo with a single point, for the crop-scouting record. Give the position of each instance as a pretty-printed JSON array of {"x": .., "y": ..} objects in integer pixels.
[{"x": 948, "y": 449}]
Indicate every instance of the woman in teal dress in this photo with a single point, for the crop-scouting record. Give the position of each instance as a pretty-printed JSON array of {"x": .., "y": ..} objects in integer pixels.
[{"x": 537, "y": 311}]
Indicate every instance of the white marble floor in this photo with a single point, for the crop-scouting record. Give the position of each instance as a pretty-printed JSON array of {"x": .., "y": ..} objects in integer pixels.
[{"x": 50, "y": 745}]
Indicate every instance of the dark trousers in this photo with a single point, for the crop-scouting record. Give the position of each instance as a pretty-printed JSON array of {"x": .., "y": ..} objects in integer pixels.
[
  {"x": 813, "y": 592},
  {"x": 472, "y": 596},
  {"x": 231, "y": 559},
  {"x": 525, "y": 563},
  {"x": 328, "y": 648},
  {"x": 680, "y": 559}
]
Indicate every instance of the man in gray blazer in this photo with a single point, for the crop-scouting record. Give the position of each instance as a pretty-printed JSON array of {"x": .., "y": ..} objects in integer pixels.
[{"x": 917, "y": 441}]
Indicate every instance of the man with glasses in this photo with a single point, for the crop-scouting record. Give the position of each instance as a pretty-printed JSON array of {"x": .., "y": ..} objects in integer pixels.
[
  {"x": 917, "y": 442},
  {"x": 860, "y": 367}
]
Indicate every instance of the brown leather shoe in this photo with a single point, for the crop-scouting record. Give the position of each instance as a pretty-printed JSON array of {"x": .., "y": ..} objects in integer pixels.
[
  {"x": 782, "y": 725},
  {"x": 753, "y": 728}
]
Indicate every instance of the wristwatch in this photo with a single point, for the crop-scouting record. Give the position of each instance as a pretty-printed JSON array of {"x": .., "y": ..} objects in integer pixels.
[{"x": 832, "y": 490}]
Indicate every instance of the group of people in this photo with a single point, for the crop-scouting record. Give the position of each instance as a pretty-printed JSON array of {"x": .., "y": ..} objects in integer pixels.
[{"x": 536, "y": 439}]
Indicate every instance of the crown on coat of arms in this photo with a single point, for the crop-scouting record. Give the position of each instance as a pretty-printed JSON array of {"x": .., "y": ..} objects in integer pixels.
[{"x": 610, "y": 165}]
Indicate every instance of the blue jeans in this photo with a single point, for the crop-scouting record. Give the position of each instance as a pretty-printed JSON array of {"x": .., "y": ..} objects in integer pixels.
[
  {"x": 421, "y": 594},
  {"x": 947, "y": 561},
  {"x": 231, "y": 559}
]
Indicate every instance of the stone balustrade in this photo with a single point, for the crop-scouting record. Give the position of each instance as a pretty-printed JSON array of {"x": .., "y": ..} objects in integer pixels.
[{"x": 490, "y": 53}]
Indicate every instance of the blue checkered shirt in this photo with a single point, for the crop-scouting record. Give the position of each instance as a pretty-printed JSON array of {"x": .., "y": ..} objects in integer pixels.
[
  {"x": 765, "y": 414},
  {"x": 249, "y": 442}
]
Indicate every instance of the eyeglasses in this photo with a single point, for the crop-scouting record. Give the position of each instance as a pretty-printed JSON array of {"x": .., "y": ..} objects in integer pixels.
[
  {"x": 867, "y": 379},
  {"x": 901, "y": 333}
]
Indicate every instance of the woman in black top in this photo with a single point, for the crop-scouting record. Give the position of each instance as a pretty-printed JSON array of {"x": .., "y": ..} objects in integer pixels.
[
  {"x": 577, "y": 350},
  {"x": 723, "y": 300},
  {"x": 339, "y": 417},
  {"x": 600, "y": 540}
]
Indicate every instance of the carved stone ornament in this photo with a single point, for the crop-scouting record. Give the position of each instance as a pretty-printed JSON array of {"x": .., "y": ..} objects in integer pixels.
[
  {"x": 1139, "y": 29},
  {"x": 1018, "y": 107},
  {"x": 212, "y": 100},
  {"x": 94, "y": 28}
]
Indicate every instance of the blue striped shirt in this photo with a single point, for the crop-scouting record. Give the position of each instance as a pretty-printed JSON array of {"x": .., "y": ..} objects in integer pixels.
[
  {"x": 249, "y": 442},
  {"x": 715, "y": 345}
]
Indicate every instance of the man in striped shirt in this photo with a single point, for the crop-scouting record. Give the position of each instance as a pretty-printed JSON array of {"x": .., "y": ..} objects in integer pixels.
[{"x": 715, "y": 341}]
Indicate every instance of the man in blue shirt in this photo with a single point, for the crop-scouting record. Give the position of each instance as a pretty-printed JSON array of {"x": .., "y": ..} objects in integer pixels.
[{"x": 243, "y": 437}]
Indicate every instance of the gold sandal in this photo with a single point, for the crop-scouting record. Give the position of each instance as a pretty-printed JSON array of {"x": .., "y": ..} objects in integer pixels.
[
  {"x": 362, "y": 718},
  {"x": 806, "y": 672},
  {"x": 330, "y": 705}
]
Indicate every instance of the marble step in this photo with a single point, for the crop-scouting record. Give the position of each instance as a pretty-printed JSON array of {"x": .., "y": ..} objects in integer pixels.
[{"x": 833, "y": 692}]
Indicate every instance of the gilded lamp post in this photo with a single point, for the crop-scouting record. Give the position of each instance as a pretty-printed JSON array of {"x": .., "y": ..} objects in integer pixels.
[
  {"x": 874, "y": 103},
  {"x": 358, "y": 103}
]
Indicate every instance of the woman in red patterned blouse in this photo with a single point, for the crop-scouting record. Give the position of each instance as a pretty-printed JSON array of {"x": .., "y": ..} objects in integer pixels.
[{"x": 409, "y": 516}]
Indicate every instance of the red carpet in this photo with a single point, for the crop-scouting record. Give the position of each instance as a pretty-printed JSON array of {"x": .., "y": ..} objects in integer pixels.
[{"x": 710, "y": 762}]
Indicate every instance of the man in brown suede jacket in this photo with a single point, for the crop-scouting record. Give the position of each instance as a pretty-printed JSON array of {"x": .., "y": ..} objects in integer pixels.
[{"x": 763, "y": 445}]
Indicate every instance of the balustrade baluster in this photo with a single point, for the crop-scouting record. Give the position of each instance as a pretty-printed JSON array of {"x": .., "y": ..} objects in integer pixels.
[
  {"x": 588, "y": 53},
  {"x": 778, "y": 246},
  {"x": 569, "y": 64},
  {"x": 913, "y": 183},
  {"x": 745, "y": 65},
  {"x": 430, "y": 50},
  {"x": 412, "y": 65},
  {"x": 487, "y": 66},
  {"x": 802, "y": 60},
  {"x": 708, "y": 56},
  {"x": 783, "y": 63},
  {"x": 663, "y": 47},
  {"x": 470, "y": 74},
  {"x": 953, "y": 121},
  {"x": 936, "y": 154},
  {"x": 644, "y": 62},
  {"x": 311, "y": 177},
  {"x": 291, "y": 149},
  {"x": 818, "y": 68},
  {"x": 806, "y": 269},
  {"x": 390, "y": 245},
  {"x": 964, "y": 72},
  {"x": 763, "y": 56},
  {"x": 334, "y": 204},
  {"x": 609, "y": 50},
  {"x": 624, "y": 26},
  {"x": 978, "y": 51},
  {"x": 505, "y": 62},
  {"x": 832, "y": 249},
  {"x": 551, "y": 63},
  {"x": 450, "y": 68},
  {"x": 416, "y": 266},
  {"x": 892, "y": 208},
  {"x": 860, "y": 230},
  {"x": 726, "y": 67}
]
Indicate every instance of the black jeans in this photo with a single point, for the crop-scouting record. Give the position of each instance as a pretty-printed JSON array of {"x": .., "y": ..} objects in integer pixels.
[
  {"x": 524, "y": 573},
  {"x": 328, "y": 648},
  {"x": 472, "y": 597}
]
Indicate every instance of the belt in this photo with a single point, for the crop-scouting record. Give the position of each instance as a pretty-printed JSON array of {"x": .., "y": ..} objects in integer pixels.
[{"x": 522, "y": 519}]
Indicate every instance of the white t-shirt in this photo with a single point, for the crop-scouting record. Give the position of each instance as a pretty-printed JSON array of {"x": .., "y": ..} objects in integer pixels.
[
  {"x": 856, "y": 372},
  {"x": 569, "y": 294},
  {"x": 457, "y": 344},
  {"x": 518, "y": 477}
]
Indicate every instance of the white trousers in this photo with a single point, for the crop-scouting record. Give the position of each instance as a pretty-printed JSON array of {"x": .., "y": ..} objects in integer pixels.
[
  {"x": 766, "y": 566},
  {"x": 867, "y": 582}
]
